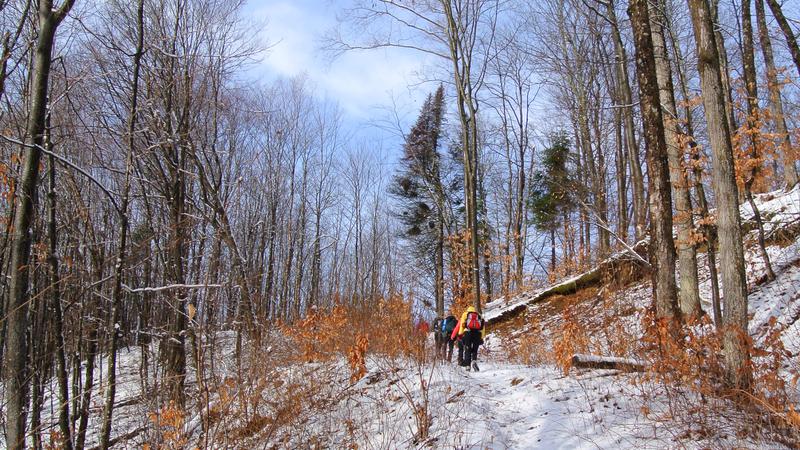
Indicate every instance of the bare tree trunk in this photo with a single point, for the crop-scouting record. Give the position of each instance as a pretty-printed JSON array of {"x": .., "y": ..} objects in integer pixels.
[
  {"x": 735, "y": 348},
  {"x": 55, "y": 306},
  {"x": 116, "y": 295},
  {"x": 283, "y": 306},
  {"x": 316, "y": 261},
  {"x": 301, "y": 247},
  {"x": 709, "y": 232},
  {"x": 88, "y": 383},
  {"x": 626, "y": 97},
  {"x": 16, "y": 355},
  {"x": 724, "y": 67},
  {"x": 273, "y": 237},
  {"x": 553, "y": 251},
  {"x": 461, "y": 45},
  {"x": 790, "y": 176},
  {"x": 662, "y": 247},
  {"x": 791, "y": 40},
  {"x": 751, "y": 87},
  {"x": 173, "y": 346},
  {"x": 689, "y": 294},
  {"x": 622, "y": 186},
  {"x": 439, "y": 263}
]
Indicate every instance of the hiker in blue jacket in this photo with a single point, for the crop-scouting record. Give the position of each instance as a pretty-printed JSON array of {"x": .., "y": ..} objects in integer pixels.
[{"x": 447, "y": 326}]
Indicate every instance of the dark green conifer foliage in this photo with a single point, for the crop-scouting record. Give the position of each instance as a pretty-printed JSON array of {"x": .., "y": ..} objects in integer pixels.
[{"x": 550, "y": 198}]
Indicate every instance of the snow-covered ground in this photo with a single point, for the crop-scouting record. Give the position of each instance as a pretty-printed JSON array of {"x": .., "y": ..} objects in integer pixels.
[{"x": 504, "y": 405}]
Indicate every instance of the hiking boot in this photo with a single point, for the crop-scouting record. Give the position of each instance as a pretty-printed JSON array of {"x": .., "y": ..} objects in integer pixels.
[
  {"x": 475, "y": 366},
  {"x": 468, "y": 367}
]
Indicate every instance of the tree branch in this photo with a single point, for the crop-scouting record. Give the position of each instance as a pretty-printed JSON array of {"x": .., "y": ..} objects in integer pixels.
[{"x": 69, "y": 164}]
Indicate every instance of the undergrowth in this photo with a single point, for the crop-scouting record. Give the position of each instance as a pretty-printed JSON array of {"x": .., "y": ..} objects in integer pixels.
[
  {"x": 684, "y": 380},
  {"x": 285, "y": 387}
]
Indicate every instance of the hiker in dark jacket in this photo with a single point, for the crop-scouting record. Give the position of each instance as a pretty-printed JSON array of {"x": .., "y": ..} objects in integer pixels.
[
  {"x": 438, "y": 338},
  {"x": 471, "y": 329},
  {"x": 448, "y": 325}
]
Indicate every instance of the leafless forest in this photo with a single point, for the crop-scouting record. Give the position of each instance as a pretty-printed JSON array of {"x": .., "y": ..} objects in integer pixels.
[{"x": 155, "y": 196}]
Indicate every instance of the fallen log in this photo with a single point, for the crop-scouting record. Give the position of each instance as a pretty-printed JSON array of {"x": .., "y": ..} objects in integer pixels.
[
  {"x": 582, "y": 361},
  {"x": 615, "y": 265}
]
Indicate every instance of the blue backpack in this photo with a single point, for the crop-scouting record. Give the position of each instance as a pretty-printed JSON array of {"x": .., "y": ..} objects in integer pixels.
[{"x": 448, "y": 325}]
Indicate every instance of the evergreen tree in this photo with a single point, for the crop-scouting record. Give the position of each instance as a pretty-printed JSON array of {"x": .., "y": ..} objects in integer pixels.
[
  {"x": 422, "y": 195},
  {"x": 550, "y": 197}
]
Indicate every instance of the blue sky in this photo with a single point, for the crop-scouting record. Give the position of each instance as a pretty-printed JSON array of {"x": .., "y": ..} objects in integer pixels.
[{"x": 364, "y": 83}]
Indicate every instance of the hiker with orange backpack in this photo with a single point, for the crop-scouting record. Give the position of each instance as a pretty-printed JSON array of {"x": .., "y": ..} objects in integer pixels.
[{"x": 471, "y": 329}]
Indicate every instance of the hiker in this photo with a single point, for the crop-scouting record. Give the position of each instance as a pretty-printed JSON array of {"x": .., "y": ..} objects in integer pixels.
[
  {"x": 456, "y": 337},
  {"x": 438, "y": 338},
  {"x": 448, "y": 325},
  {"x": 471, "y": 330},
  {"x": 422, "y": 326}
]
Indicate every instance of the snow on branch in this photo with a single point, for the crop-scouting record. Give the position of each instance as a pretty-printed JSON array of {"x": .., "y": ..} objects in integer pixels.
[
  {"x": 171, "y": 286},
  {"x": 70, "y": 164}
]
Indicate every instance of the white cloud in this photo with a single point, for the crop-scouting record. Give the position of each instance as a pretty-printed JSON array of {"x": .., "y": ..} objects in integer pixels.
[{"x": 359, "y": 81}]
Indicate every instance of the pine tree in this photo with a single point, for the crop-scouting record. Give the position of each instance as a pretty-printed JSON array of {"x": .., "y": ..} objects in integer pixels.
[
  {"x": 421, "y": 192},
  {"x": 550, "y": 197}
]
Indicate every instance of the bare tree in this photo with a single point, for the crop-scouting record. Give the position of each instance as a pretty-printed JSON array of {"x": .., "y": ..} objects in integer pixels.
[
  {"x": 626, "y": 99},
  {"x": 791, "y": 40},
  {"x": 454, "y": 30},
  {"x": 691, "y": 147},
  {"x": 15, "y": 372},
  {"x": 689, "y": 295},
  {"x": 751, "y": 88},
  {"x": 734, "y": 282},
  {"x": 790, "y": 176},
  {"x": 662, "y": 247}
]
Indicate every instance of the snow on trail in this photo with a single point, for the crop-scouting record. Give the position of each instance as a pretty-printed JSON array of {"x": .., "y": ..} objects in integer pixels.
[{"x": 522, "y": 407}]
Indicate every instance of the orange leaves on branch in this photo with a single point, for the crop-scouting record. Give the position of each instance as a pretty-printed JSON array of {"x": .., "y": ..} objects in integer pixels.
[
  {"x": 753, "y": 147},
  {"x": 356, "y": 358},
  {"x": 692, "y": 102},
  {"x": 352, "y": 331},
  {"x": 169, "y": 423},
  {"x": 7, "y": 185},
  {"x": 573, "y": 339},
  {"x": 460, "y": 281}
]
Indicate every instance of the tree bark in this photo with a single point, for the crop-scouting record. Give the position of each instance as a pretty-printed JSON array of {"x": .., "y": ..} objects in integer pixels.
[
  {"x": 689, "y": 293},
  {"x": 607, "y": 362},
  {"x": 19, "y": 295},
  {"x": 622, "y": 186},
  {"x": 751, "y": 88},
  {"x": 791, "y": 41},
  {"x": 722, "y": 53},
  {"x": 55, "y": 306},
  {"x": 116, "y": 295},
  {"x": 461, "y": 39},
  {"x": 662, "y": 247},
  {"x": 624, "y": 87},
  {"x": 735, "y": 348},
  {"x": 709, "y": 232},
  {"x": 790, "y": 175},
  {"x": 88, "y": 383}
]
